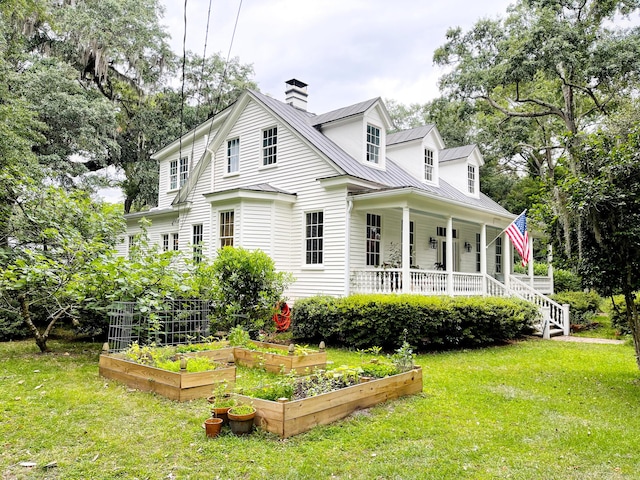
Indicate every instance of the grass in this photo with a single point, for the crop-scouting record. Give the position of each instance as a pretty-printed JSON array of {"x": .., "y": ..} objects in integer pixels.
[
  {"x": 531, "y": 410},
  {"x": 604, "y": 329}
]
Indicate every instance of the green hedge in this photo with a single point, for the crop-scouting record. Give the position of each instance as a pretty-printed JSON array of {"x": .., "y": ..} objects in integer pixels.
[
  {"x": 566, "y": 281},
  {"x": 363, "y": 321},
  {"x": 583, "y": 306},
  {"x": 619, "y": 315}
]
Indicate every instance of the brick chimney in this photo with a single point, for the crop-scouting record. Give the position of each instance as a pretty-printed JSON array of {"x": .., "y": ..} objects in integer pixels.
[{"x": 296, "y": 94}]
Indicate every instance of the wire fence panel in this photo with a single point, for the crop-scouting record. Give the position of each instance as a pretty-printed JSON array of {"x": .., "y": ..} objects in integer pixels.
[{"x": 173, "y": 322}]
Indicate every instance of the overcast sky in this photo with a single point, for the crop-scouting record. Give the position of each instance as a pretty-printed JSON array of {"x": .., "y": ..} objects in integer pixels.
[{"x": 346, "y": 50}]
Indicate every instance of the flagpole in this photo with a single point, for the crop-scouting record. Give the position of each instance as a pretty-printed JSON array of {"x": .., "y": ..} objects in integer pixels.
[{"x": 488, "y": 244}]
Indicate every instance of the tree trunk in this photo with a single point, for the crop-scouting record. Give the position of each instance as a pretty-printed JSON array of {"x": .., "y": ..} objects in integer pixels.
[
  {"x": 41, "y": 340},
  {"x": 634, "y": 322}
]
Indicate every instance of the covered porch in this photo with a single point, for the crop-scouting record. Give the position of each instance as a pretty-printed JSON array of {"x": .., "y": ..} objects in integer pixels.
[{"x": 409, "y": 242}]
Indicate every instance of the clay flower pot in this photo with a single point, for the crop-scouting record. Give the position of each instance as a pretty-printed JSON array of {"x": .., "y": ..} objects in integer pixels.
[
  {"x": 213, "y": 426},
  {"x": 241, "y": 419}
]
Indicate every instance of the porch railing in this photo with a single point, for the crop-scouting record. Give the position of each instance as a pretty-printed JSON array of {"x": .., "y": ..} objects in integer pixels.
[
  {"x": 436, "y": 282},
  {"x": 558, "y": 314},
  {"x": 542, "y": 284}
]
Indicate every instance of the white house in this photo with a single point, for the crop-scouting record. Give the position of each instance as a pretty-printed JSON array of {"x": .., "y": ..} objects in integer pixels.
[{"x": 335, "y": 199}]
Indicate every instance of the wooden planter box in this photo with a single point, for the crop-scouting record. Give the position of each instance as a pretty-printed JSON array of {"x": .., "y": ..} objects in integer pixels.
[
  {"x": 173, "y": 385},
  {"x": 289, "y": 418},
  {"x": 273, "y": 362}
]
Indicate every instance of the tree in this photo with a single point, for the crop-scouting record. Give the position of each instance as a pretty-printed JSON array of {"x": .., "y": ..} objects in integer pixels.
[
  {"x": 55, "y": 237},
  {"x": 556, "y": 65},
  {"x": 605, "y": 194}
]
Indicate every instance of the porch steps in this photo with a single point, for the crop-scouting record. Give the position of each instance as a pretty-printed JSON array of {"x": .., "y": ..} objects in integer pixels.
[{"x": 553, "y": 332}]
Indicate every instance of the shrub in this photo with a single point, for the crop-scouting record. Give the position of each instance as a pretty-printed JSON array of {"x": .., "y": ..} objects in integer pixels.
[
  {"x": 362, "y": 321},
  {"x": 566, "y": 281},
  {"x": 583, "y": 306},
  {"x": 246, "y": 286},
  {"x": 618, "y": 314}
]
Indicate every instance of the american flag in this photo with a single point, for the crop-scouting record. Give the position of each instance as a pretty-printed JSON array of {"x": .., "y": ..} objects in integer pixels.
[{"x": 519, "y": 236}]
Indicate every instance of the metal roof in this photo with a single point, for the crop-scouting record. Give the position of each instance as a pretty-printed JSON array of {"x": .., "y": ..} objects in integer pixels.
[
  {"x": 456, "y": 153},
  {"x": 345, "y": 112},
  {"x": 391, "y": 177},
  {"x": 409, "y": 135}
]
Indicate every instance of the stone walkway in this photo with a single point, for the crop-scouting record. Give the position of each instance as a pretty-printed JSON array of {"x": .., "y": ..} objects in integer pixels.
[{"x": 567, "y": 338}]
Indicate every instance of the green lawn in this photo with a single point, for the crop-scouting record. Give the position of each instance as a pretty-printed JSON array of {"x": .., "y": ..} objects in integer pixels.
[{"x": 532, "y": 410}]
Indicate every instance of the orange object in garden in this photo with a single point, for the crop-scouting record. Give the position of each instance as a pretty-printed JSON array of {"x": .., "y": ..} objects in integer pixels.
[{"x": 282, "y": 318}]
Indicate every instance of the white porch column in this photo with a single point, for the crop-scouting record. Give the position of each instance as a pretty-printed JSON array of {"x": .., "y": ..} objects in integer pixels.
[
  {"x": 507, "y": 263},
  {"x": 483, "y": 257},
  {"x": 406, "y": 254},
  {"x": 449, "y": 255},
  {"x": 347, "y": 248}
]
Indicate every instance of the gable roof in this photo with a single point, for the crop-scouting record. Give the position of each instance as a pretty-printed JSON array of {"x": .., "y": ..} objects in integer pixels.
[
  {"x": 345, "y": 112},
  {"x": 392, "y": 177},
  {"x": 456, "y": 153},
  {"x": 403, "y": 136}
]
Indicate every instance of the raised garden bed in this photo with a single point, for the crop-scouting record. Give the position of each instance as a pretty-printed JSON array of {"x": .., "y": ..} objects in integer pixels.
[
  {"x": 280, "y": 362},
  {"x": 286, "y": 418},
  {"x": 180, "y": 386}
]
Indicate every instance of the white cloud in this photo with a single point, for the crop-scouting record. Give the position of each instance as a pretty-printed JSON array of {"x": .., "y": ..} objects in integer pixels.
[{"x": 346, "y": 50}]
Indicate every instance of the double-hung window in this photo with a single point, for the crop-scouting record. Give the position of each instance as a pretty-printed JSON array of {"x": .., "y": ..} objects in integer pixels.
[
  {"x": 314, "y": 238},
  {"x": 178, "y": 172},
  {"x": 373, "y": 239},
  {"x": 478, "y": 256},
  {"x": 269, "y": 146},
  {"x": 184, "y": 170},
  {"x": 428, "y": 165},
  {"x": 226, "y": 228},
  {"x": 233, "y": 155},
  {"x": 373, "y": 144},
  {"x": 175, "y": 241},
  {"x": 165, "y": 242},
  {"x": 499, "y": 255},
  {"x": 197, "y": 242},
  {"x": 471, "y": 178}
]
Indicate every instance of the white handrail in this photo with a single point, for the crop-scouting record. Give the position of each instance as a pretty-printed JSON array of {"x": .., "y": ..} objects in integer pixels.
[{"x": 558, "y": 314}]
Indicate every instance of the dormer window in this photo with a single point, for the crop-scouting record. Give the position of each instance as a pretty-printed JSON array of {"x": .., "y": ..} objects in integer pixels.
[
  {"x": 373, "y": 144},
  {"x": 178, "y": 172},
  {"x": 471, "y": 178},
  {"x": 428, "y": 165}
]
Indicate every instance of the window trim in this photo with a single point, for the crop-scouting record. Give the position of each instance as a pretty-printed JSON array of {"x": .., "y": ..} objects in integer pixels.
[
  {"x": 429, "y": 166},
  {"x": 197, "y": 238},
  {"x": 173, "y": 174},
  {"x": 471, "y": 179},
  {"x": 373, "y": 144},
  {"x": 270, "y": 150},
  {"x": 224, "y": 237},
  {"x": 316, "y": 240},
  {"x": 231, "y": 156},
  {"x": 373, "y": 255}
]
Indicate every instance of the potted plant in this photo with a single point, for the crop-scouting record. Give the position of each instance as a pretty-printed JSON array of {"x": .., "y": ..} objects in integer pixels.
[
  {"x": 221, "y": 402},
  {"x": 241, "y": 419}
]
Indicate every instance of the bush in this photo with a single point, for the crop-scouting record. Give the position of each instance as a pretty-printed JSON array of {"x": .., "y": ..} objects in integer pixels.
[
  {"x": 246, "y": 286},
  {"x": 583, "y": 306},
  {"x": 362, "y": 321},
  {"x": 566, "y": 281},
  {"x": 618, "y": 314}
]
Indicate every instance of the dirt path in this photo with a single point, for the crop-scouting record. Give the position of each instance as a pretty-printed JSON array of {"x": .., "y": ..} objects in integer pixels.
[{"x": 566, "y": 338}]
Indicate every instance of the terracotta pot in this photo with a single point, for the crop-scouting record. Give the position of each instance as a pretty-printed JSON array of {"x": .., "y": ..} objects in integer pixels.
[
  {"x": 213, "y": 426},
  {"x": 221, "y": 413},
  {"x": 241, "y": 424}
]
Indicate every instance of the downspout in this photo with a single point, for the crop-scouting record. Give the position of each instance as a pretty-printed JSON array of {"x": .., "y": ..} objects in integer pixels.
[{"x": 347, "y": 247}]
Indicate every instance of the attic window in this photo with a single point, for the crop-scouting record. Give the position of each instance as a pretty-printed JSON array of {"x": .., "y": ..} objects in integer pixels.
[
  {"x": 428, "y": 165},
  {"x": 471, "y": 178},
  {"x": 373, "y": 144},
  {"x": 180, "y": 174}
]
